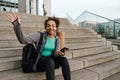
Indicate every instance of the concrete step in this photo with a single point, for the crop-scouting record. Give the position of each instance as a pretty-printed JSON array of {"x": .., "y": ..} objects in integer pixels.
[
  {"x": 102, "y": 72},
  {"x": 40, "y": 27},
  {"x": 37, "y": 28},
  {"x": 114, "y": 41},
  {"x": 35, "y": 24},
  {"x": 83, "y": 40},
  {"x": 106, "y": 69},
  {"x": 75, "y": 38},
  {"x": 99, "y": 58},
  {"x": 115, "y": 76},
  {"x": 69, "y": 35},
  {"x": 84, "y": 45},
  {"x": 30, "y": 17},
  {"x": 17, "y": 74},
  {"x": 10, "y": 63},
  {"x": 15, "y": 62},
  {"x": 82, "y": 74},
  {"x": 8, "y": 38},
  {"x": 80, "y": 33},
  {"x": 9, "y": 52},
  {"x": 89, "y": 51},
  {"x": 68, "y": 39},
  {"x": 36, "y": 21},
  {"x": 26, "y": 18},
  {"x": 10, "y": 44},
  {"x": 10, "y": 32},
  {"x": 26, "y": 30}
]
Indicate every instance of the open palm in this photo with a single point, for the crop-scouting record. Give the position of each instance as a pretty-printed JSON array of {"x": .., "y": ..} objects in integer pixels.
[{"x": 12, "y": 17}]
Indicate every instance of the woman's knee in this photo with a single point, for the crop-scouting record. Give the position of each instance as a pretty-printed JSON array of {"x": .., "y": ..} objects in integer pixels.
[
  {"x": 64, "y": 61},
  {"x": 50, "y": 63}
]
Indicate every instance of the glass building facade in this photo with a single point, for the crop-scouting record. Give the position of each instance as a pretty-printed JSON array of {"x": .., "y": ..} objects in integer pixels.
[
  {"x": 9, "y": 5},
  {"x": 106, "y": 27}
]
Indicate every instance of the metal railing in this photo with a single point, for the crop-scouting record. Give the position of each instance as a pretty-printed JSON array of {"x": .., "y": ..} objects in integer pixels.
[{"x": 102, "y": 25}]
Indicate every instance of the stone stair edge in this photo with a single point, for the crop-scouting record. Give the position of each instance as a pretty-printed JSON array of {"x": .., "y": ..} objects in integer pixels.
[
  {"x": 95, "y": 59},
  {"x": 90, "y": 69},
  {"x": 110, "y": 68},
  {"x": 15, "y": 62},
  {"x": 69, "y": 54},
  {"x": 72, "y": 46}
]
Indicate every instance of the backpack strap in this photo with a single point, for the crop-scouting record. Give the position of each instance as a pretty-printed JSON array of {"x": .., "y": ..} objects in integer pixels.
[
  {"x": 40, "y": 41},
  {"x": 41, "y": 38},
  {"x": 38, "y": 51}
]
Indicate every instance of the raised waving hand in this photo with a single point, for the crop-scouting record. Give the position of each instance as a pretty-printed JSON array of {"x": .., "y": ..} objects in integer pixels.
[{"x": 12, "y": 17}]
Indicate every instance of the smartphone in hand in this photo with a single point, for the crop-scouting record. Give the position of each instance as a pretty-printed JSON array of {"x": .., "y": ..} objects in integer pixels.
[{"x": 64, "y": 49}]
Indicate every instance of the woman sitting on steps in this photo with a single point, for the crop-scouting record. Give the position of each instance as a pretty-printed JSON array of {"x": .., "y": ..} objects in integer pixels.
[{"x": 51, "y": 56}]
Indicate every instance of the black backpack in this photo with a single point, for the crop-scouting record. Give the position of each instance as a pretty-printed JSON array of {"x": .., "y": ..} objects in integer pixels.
[{"x": 29, "y": 56}]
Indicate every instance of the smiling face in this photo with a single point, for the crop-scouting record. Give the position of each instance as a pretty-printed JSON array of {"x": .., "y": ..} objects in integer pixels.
[{"x": 51, "y": 27}]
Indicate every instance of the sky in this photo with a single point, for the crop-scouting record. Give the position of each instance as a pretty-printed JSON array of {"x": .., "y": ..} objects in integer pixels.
[{"x": 106, "y": 8}]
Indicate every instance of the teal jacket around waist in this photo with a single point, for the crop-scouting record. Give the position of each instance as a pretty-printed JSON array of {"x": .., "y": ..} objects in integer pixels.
[{"x": 34, "y": 38}]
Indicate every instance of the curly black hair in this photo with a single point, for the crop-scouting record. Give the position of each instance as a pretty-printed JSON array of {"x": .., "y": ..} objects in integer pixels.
[{"x": 56, "y": 20}]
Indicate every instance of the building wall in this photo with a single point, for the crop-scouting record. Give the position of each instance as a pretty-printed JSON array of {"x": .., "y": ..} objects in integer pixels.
[
  {"x": 32, "y": 6},
  {"x": 27, "y": 6},
  {"x": 47, "y": 4},
  {"x": 9, "y": 5},
  {"x": 22, "y": 6}
]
